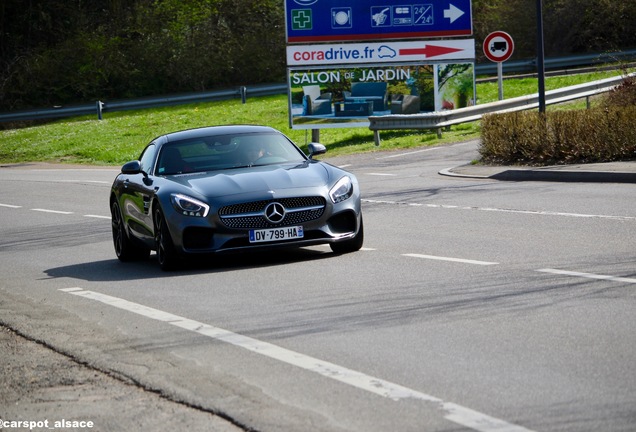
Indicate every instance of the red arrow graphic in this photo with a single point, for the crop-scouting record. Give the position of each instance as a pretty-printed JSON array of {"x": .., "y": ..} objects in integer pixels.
[{"x": 429, "y": 51}]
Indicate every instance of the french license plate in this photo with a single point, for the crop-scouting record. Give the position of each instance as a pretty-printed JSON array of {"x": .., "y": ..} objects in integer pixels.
[{"x": 276, "y": 234}]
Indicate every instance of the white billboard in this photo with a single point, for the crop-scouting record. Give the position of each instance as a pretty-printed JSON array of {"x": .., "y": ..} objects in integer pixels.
[{"x": 384, "y": 52}]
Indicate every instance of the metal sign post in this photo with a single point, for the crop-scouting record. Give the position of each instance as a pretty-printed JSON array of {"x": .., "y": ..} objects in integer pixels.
[
  {"x": 540, "y": 57},
  {"x": 500, "y": 79}
]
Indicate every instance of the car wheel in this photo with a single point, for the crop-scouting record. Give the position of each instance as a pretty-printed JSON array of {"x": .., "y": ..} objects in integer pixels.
[
  {"x": 351, "y": 245},
  {"x": 166, "y": 253},
  {"x": 125, "y": 248}
]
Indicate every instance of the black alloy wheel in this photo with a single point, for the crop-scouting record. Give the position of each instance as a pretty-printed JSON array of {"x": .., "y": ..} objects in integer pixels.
[
  {"x": 125, "y": 249},
  {"x": 166, "y": 253}
]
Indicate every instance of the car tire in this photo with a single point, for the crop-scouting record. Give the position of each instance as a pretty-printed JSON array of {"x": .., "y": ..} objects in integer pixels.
[
  {"x": 166, "y": 253},
  {"x": 125, "y": 249},
  {"x": 351, "y": 245}
]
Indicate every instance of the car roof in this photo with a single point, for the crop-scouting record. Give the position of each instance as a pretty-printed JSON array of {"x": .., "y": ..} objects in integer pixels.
[{"x": 217, "y": 130}]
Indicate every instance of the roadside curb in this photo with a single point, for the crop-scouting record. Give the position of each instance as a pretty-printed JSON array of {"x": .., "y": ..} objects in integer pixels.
[
  {"x": 566, "y": 176},
  {"x": 613, "y": 172}
]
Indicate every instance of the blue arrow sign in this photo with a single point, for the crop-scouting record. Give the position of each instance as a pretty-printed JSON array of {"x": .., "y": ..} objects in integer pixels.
[{"x": 310, "y": 21}]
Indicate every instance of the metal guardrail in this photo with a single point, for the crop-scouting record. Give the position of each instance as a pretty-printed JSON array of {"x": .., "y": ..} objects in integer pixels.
[
  {"x": 98, "y": 108},
  {"x": 442, "y": 119},
  {"x": 557, "y": 63}
]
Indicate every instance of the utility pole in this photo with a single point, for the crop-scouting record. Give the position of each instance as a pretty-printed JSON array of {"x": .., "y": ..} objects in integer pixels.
[{"x": 540, "y": 56}]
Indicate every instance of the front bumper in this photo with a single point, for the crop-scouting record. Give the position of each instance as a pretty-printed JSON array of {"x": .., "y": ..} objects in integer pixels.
[{"x": 219, "y": 233}]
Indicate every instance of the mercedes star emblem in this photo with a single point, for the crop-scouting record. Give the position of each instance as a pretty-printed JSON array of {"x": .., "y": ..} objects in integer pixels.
[{"x": 275, "y": 212}]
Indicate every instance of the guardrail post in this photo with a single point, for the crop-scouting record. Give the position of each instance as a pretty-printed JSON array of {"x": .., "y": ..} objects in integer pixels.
[
  {"x": 100, "y": 108},
  {"x": 243, "y": 91},
  {"x": 376, "y": 137}
]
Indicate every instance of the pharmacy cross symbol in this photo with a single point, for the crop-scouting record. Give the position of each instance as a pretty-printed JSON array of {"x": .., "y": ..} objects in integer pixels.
[{"x": 301, "y": 19}]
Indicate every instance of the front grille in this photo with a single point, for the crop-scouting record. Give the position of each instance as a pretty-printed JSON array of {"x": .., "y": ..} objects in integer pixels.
[{"x": 251, "y": 215}]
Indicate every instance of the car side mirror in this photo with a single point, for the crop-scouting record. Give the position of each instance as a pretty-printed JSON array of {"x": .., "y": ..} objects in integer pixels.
[
  {"x": 131, "y": 168},
  {"x": 316, "y": 149}
]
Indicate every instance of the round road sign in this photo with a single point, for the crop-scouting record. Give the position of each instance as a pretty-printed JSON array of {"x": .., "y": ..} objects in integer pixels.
[{"x": 498, "y": 46}]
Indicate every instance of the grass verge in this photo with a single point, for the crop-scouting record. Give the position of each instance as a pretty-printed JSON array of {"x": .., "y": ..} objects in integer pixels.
[{"x": 121, "y": 136}]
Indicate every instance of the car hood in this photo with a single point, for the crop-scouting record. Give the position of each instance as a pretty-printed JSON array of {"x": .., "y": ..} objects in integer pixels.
[{"x": 256, "y": 179}]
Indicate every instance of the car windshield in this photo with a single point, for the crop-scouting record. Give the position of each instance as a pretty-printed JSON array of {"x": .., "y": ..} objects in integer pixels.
[{"x": 211, "y": 153}]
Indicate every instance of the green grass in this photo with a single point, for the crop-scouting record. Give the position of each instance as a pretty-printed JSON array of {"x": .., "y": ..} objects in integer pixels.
[
  {"x": 121, "y": 136},
  {"x": 489, "y": 92}
]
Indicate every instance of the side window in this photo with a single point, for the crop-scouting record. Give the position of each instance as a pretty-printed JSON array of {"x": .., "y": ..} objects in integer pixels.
[{"x": 148, "y": 157}]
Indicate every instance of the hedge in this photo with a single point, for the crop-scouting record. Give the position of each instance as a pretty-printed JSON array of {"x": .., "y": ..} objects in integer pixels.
[{"x": 559, "y": 137}]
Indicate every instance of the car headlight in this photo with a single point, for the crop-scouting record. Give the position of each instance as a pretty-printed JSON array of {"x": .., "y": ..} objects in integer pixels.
[
  {"x": 189, "y": 206},
  {"x": 342, "y": 190}
]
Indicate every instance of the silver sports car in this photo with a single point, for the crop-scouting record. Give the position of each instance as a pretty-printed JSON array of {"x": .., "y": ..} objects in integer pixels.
[{"x": 228, "y": 189}]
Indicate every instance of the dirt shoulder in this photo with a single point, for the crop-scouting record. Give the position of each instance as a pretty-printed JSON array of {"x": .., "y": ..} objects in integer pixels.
[{"x": 52, "y": 391}]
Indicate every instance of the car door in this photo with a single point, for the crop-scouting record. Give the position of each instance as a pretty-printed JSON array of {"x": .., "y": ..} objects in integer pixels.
[{"x": 136, "y": 195}]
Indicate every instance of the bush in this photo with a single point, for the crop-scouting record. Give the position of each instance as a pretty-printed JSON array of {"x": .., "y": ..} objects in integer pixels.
[
  {"x": 602, "y": 134},
  {"x": 622, "y": 95},
  {"x": 64, "y": 52}
]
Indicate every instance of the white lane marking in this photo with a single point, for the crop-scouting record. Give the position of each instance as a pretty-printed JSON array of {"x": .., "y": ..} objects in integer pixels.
[
  {"x": 451, "y": 411},
  {"x": 76, "y": 181},
  {"x": 459, "y": 260},
  {"x": 491, "y": 209},
  {"x": 588, "y": 275},
  {"x": 408, "y": 154},
  {"x": 104, "y": 170},
  {"x": 97, "y": 216},
  {"x": 381, "y": 174},
  {"x": 55, "y": 211},
  {"x": 83, "y": 181},
  {"x": 52, "y": 211},
  {"x": 550, "y": 213}
]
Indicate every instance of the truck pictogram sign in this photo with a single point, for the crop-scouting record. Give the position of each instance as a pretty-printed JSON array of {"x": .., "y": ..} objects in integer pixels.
[{"x": 498, "y": 46}]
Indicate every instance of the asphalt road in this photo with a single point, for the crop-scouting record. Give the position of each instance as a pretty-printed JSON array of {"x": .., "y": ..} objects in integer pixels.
[{"x": 474, "y": 305}]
